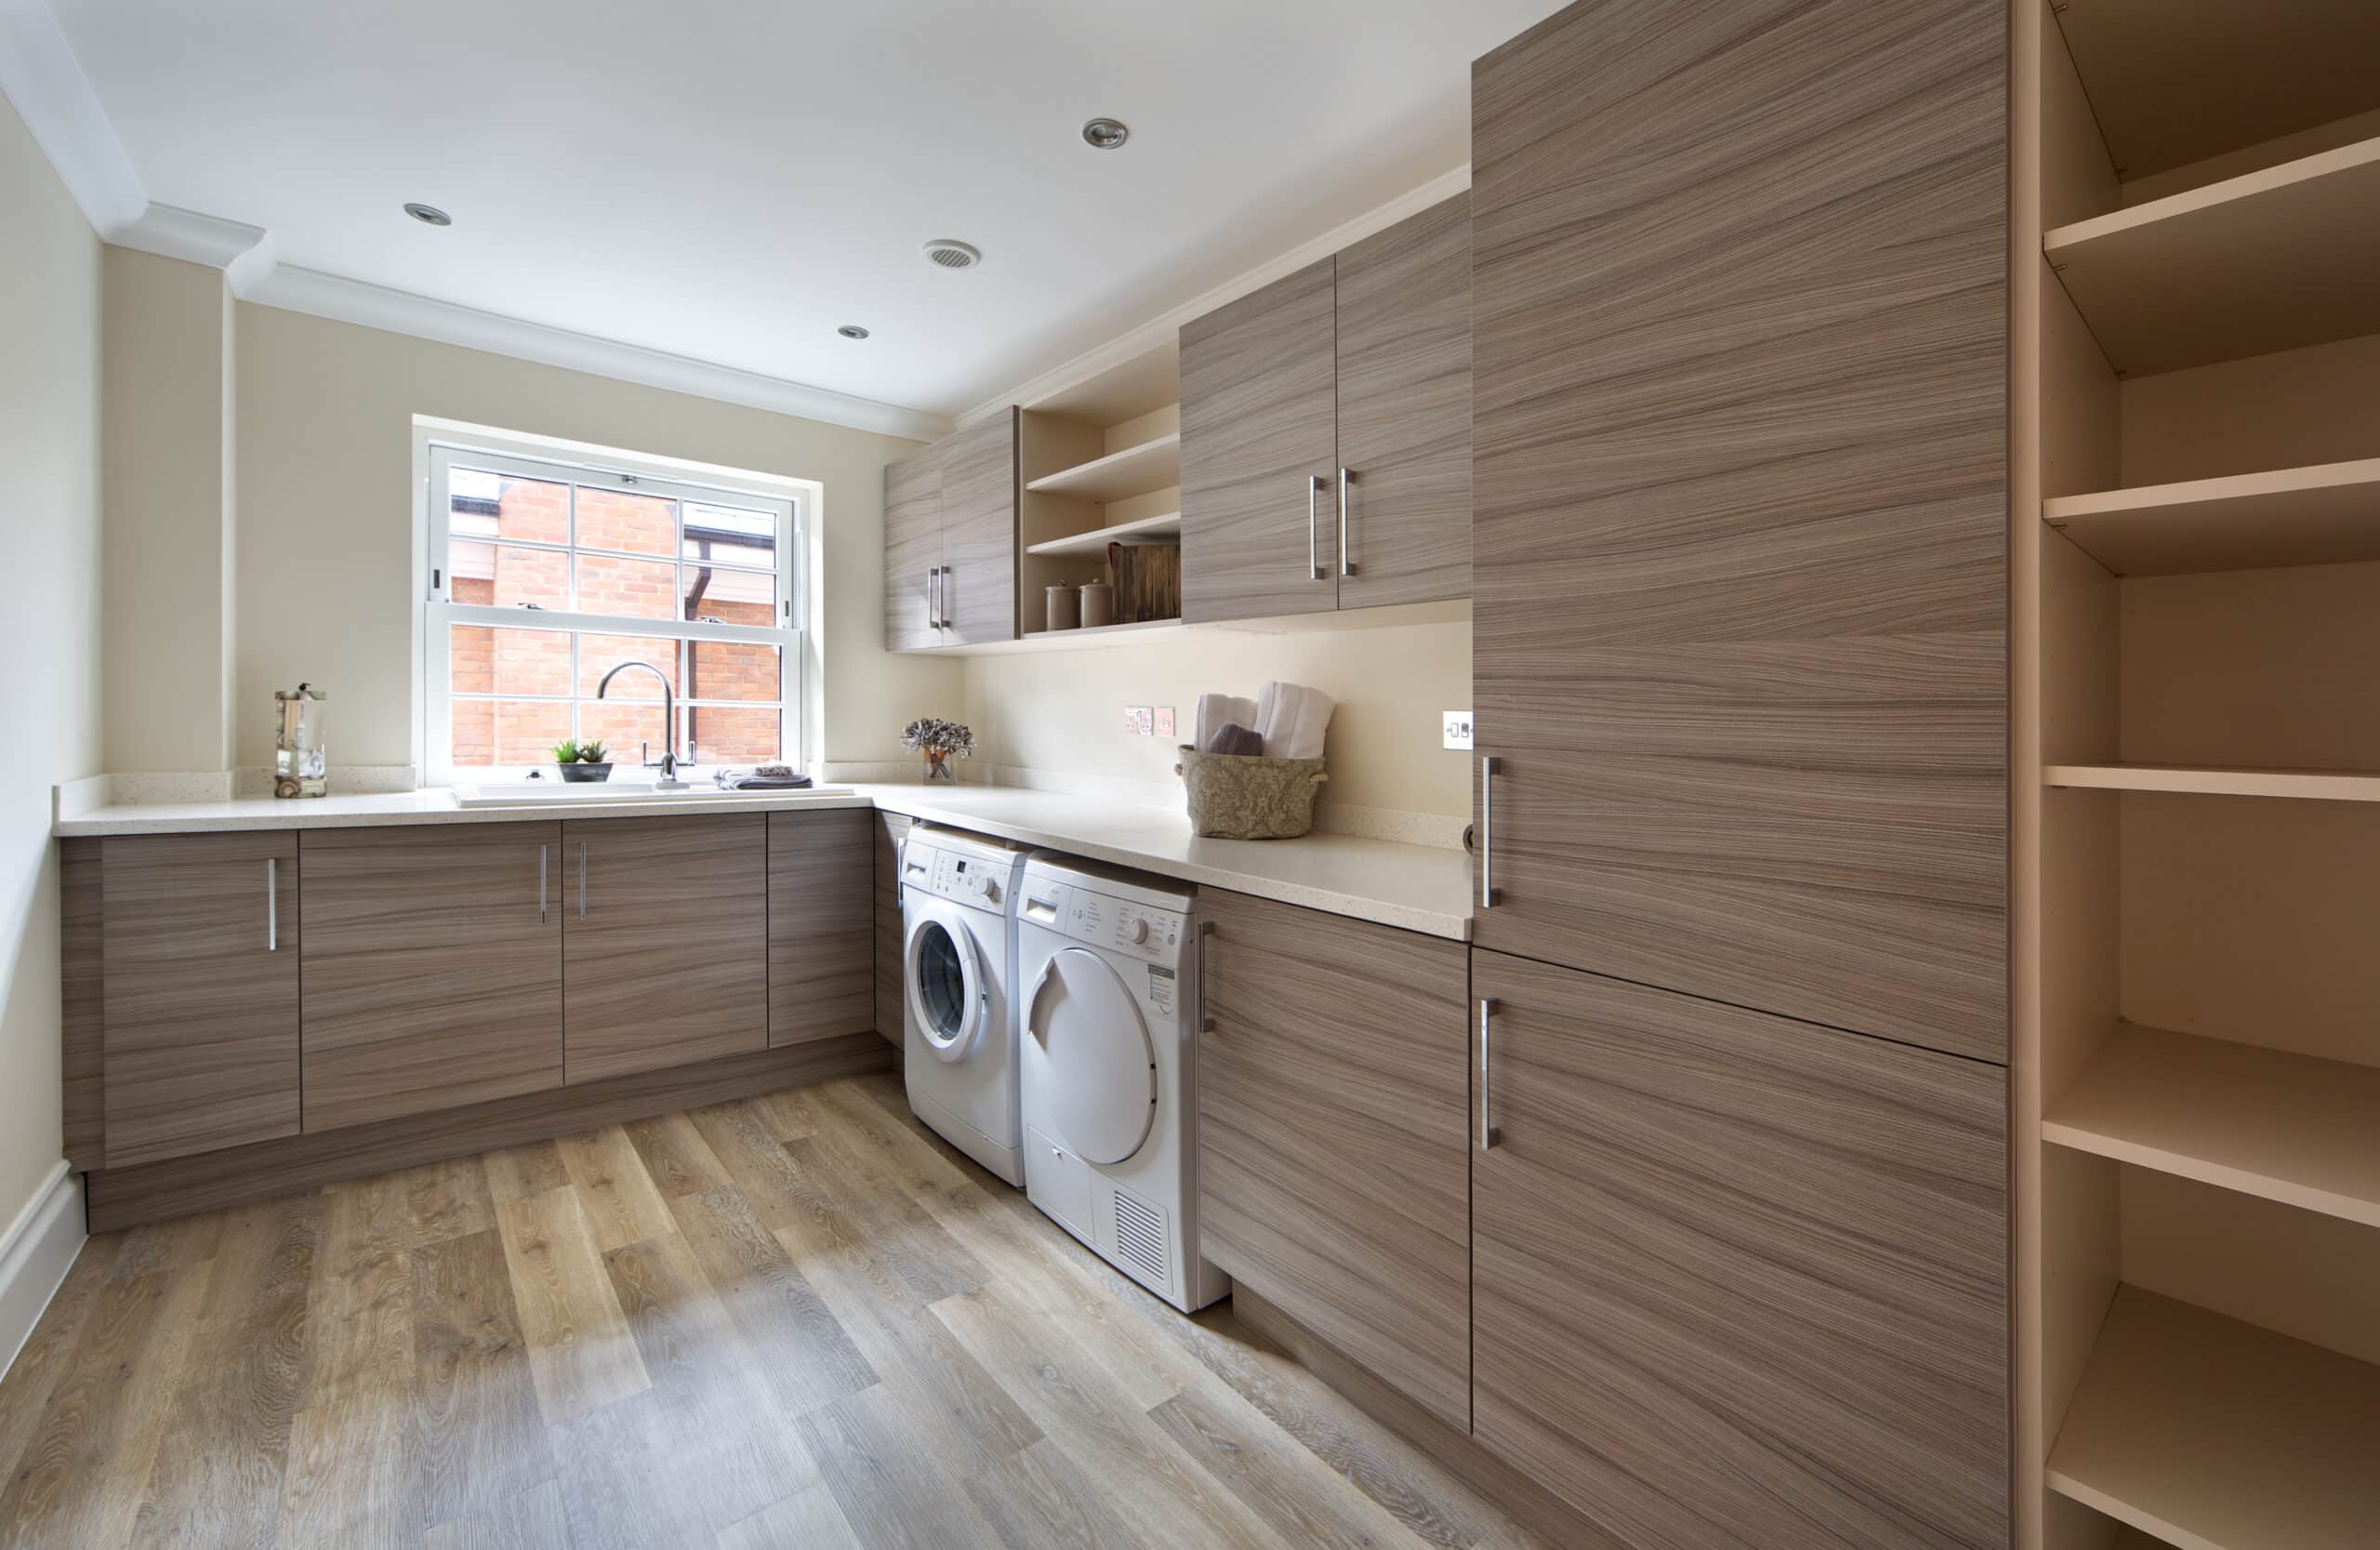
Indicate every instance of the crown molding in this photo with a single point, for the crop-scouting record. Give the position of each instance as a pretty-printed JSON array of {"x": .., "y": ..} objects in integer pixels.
[
  {"x": 45, "y": 81},
  {"x": 344, "y": 300},
  {"x": 242, "y": 252},
  {"x": 1159, "y": 331}
]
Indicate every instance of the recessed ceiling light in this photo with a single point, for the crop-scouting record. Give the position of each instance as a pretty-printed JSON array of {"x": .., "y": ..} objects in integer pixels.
[
  {"x": 852, "y": 331},
  {"x": 1106, "y": 134},
  {"x": 430, "y": 215},
  {"x": 950, "y": 253}
]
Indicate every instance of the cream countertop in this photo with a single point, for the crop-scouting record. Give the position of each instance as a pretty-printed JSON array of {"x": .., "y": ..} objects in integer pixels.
[{"x": 1420, "y": 888}]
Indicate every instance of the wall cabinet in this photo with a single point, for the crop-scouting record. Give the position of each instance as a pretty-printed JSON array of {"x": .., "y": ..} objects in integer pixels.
[
  {"x": 1738, "y": 1280},
  {"x": 433, "y": 968},
  {"x": 822, "y": 924},
  {"x": 199, "y": 944},
  {"x": 1741, "y": 616},
  {"x": 1332, "y": 1173},
  {"x": 665, "y": 942},
  {"x": 950, "y": 539},
  {"x": 1326, "y": 431}
]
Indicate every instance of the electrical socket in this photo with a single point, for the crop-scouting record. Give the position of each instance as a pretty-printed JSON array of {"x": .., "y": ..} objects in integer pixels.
[
  {"x": 1458, "y": 729},
  {"x": 1137, "y": 720},
  {"x": 1165, "y": 720}
]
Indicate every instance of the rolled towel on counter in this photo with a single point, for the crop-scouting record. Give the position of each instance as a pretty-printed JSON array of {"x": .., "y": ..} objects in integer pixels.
[
  {"x": 1214, "y": 713},
  {"x": 1292, "y": 720},
  {"x": 1235, "y": 739}
]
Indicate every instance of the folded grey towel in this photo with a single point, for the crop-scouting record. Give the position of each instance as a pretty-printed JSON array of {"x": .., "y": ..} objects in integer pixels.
[
  {"x": 767, "y": 777},
  {"x": 1231, "y": 738}
]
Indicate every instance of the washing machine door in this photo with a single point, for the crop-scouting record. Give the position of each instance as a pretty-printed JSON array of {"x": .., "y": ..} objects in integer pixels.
[
  {"x": 943, "y": 972},
  {"x": 1102, "y": 1066}
]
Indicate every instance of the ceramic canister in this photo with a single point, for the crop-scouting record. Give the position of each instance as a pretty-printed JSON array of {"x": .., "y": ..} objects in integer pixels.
[
  {"x": 1063, "y": 614},
  {"x": 1098, "y": 604}
]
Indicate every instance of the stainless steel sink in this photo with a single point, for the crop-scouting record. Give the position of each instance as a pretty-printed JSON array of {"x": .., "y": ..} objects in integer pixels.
[{"x": 539, "y": 793}]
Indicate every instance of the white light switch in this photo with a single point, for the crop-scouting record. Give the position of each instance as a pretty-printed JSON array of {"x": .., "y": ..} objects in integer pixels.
[{"x": 1458, "y": 729}]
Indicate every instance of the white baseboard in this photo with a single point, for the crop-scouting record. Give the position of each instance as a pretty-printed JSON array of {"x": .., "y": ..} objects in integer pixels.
[{"x": 34, "y": 1256}]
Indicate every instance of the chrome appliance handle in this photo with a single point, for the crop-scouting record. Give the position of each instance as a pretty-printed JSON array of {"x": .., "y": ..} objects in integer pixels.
[
  {"x": 1489, "y": 1134},
  {"x": 1313, "y": 538},
  {"x": 1346, "y": 566},
  {"x": 272, "y": 904},
  {"x": 1488, "y": 892}
]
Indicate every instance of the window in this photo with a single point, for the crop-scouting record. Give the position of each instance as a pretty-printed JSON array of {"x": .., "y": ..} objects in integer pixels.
[{"x": 546, "y": 575}]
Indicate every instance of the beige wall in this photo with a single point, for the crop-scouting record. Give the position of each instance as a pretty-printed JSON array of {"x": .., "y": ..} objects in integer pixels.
[
  {"x": 1061, "y": 712},
  {"x": 326, "y": 531},
  {"x": 49, "y": 617}
]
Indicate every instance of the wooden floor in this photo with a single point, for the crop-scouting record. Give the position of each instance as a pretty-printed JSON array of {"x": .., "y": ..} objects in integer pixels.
[{"x": 796, "y": 1321}]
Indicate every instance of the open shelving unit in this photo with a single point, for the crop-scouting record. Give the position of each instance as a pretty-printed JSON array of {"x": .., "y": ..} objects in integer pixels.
[
  {"x": 1102, "y": 464},
  {"x": 1167, "y": 525},
  {"x": 2196, "y": 558},
  {"x": 1137, "y": 470}
]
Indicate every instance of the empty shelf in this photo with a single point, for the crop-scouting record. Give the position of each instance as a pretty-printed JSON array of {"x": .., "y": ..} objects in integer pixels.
[
  {"x": 2272, "y": 261},
  {"x": 2318, "y": 785},
  {"x": 2291, "y": 1128},
  {"x": 2216, "y": 1435},
  {"x": 1075, "y": 639},
  {"x": 1098, "y": 539},
  {"x": 1136, "y": 470},
  {"x": 2312, "y": 516}
]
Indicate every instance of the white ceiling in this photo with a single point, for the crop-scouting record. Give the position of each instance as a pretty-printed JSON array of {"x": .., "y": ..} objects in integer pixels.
[{"x": 729, "y": 179}]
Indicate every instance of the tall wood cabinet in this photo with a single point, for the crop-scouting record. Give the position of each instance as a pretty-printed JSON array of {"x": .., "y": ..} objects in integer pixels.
[
  {"x": 1739, "y": 550},
  {"x": 1326, "y": 431},
  {"x": 822, "y": 924},
  {"x": 913, "y": 552},
  {"x": 950, "y": 539}
]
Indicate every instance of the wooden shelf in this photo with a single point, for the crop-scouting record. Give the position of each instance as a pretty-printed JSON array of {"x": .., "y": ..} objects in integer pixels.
[
  {"x": 2315, "y": 784},
  {"x": 2216, "y": 1435},
  {"x": 2271, "y": 260},
  {"x": 2291, "y": 1128},
  {"x": 1096, "y": 541},
  {"x": 2328, "y": 514},
  {"x": 1133, "y": 471},
  {"x": 1075, "y": 639}
]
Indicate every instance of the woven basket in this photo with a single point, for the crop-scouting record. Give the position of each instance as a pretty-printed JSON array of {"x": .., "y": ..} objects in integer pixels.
[{"x": 1237, "y": 795}]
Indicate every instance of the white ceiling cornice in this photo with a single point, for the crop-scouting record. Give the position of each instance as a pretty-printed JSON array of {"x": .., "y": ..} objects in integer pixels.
[{"x": 46, "y": 83}]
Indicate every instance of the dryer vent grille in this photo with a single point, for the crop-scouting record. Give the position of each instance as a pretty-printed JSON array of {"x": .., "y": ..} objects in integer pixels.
[
  {"x": 950, "y": 253},
  {"x": 1140, "y": 1234}
]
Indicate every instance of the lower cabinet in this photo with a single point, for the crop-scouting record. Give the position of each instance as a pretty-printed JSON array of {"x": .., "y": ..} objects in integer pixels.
[
  {"x": 890, "y": 1003},
  {"x": 1333, "y": 1175},
  {"x": 199, "y": 944},
  {"x": 1738, "y": 1281},
  {"x": 822, "y": 924},
  {"x": 665, "y": 942},
  {"x": 433, "y": 968}
]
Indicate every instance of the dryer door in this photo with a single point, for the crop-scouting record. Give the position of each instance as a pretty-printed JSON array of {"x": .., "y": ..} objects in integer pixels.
[
  {"x": 943, "y": 972},
  {"x": 1102, "y": 1065}
]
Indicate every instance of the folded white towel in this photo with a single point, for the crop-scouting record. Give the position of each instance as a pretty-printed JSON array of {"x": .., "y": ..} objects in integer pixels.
[
  {"x": 1292, "y": 720},
  {"x": 1217, "y": 711}
]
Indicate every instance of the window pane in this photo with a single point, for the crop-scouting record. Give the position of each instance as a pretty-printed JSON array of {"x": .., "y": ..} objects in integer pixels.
[
  {"x": 615, "y": 519},
  {"x": 507, "y": 731},
  {"x": 735, "y": 734},
  {"x": 506, "y": 576},
  {"x": 732, "y": 536},
  {"x": 731, "y": 597},
  {"x": 484, "y": 504},
  {"x": 634, "y": 589},
  {"x": 623, "y": 726},
  {"x": 599, "y": 654},
  {"x": 733, "y": 669},
  {"x": 492, "y": 661}
]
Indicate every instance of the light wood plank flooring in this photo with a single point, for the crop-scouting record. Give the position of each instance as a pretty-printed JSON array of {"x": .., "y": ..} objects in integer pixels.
[{"x": 796, "y": 1321}]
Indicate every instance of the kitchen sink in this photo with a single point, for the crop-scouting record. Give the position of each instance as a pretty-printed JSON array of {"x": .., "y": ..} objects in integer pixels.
[{"x": 539, "y": 793}]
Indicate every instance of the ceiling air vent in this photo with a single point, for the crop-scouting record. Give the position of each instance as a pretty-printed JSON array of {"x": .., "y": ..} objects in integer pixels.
[
  {"x": 1140, "y": 1234},
  {"x": 950, "y": 253}
]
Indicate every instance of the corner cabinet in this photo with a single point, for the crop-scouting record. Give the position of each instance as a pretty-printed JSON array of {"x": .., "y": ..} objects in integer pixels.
[
  {"x": 950, "y": 539},
  {"x": 1326, "y": 431}
]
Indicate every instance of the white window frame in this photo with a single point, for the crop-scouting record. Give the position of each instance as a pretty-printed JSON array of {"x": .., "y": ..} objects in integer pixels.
[{"x": 440, "y": 613}]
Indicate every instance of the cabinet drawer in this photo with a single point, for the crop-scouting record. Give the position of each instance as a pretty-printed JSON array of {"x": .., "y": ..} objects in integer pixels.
[{"x": 1333, "y": 1175}]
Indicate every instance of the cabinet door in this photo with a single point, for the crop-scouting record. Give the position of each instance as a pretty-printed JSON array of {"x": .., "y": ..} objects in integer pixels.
[
  {"x": 822, "y": 924},
  {"x": 979, "y": 495},
  {"x": 433, "y": 968},
  {"x": 1740, "y": 1283},
  {"x": 891, "y": 1005},
  {"x": 665, "y": 942},
  {"x": 1332, "y": 1175},
  {"x": 912, "y": 551},
  {"x": 1259, "y": 453},
  {"x": 199, "y": 992},
  {"x": 1741, "y": 541},
  {"x": 1405, "y": 410}
]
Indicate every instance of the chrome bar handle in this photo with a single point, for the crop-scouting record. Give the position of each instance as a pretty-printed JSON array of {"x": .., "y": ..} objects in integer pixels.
[
  {"x": 1489, "y": 895},
  {"x": 541, "y": 883},
  {"x": 1488, "y": 1135},
  {"x": 272, "y": 904},
  {"x": 1206, "y": 934},
  {"x": 1312, "y": 532},
  {"x": 582, "y": 880},
  {"x": 943, "y": 618},
  {"x": 1346, "y": 566},
  {"x": 934, "y": 596}
]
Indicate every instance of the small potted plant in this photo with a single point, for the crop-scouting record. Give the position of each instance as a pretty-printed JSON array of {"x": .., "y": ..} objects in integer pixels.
[
  {"x": 582, "y": 761},
  {"x": 941, "y": 742}
]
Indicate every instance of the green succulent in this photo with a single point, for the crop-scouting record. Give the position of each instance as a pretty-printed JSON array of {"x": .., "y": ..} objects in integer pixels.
[
  {"x": 566, "y": 751},
  {"x": 593, "y": 753},
  {"x": 570, "y": 750}
]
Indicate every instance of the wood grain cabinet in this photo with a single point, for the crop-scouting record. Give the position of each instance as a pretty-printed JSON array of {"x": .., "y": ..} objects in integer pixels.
[
  {"x": 822, "y": 924},
  {"x": 198, "y": 971},
  {"x": 1326, "y": 431},
  {"x": 433, "y": 968},
  {"x": 950, "y": 539},
  {"x": 1332, "y": 1171},
  {"x": 665, "y": 942},
  {"x": 1740, "y": 1283},
  {"x": 892, "y": 1014},
  {"x": 1740, "y": 574}
]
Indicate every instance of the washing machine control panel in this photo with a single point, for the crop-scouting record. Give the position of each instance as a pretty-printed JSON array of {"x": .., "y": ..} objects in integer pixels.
[
  {"x": 1121, "y": 925},
  {"x": 958, "y": 875}
]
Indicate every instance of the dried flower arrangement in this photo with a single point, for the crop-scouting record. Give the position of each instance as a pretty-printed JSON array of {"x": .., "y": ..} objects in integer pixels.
[{"x": 941, "y": 742}]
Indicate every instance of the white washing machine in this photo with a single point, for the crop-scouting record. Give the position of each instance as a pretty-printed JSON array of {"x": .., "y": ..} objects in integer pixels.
[
  {"x": 1108, "y": 962},
  {"x": 957, "y": 962}
]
